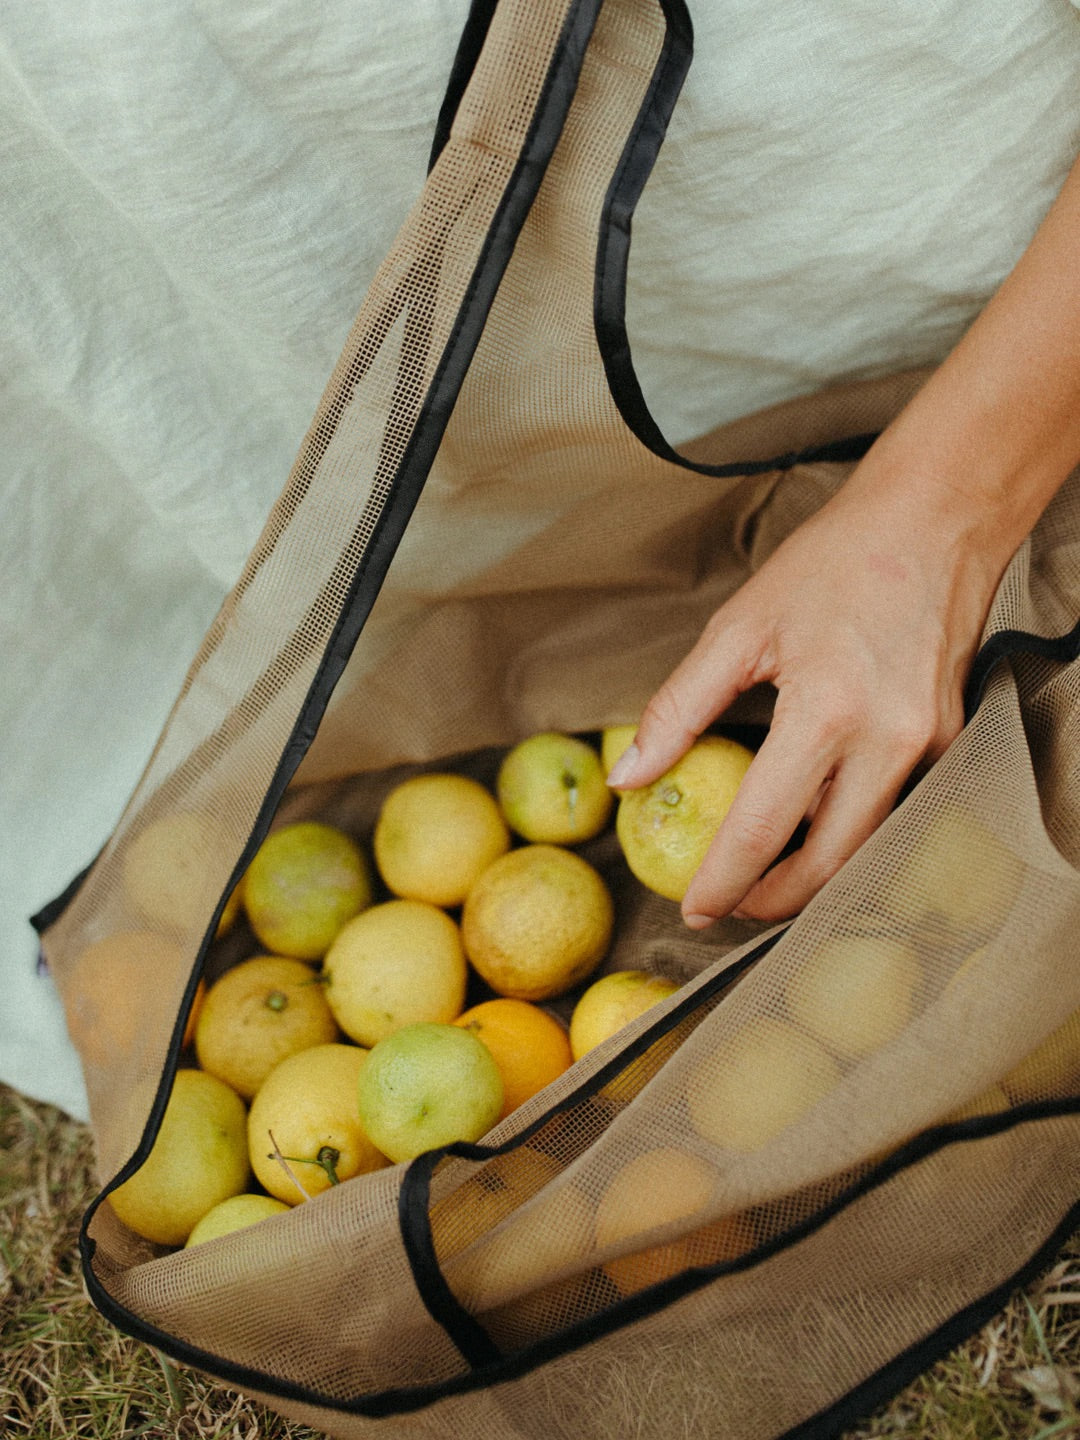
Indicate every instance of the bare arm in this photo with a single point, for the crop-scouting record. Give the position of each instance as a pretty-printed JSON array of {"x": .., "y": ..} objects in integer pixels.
[{"x": 867, "y": 617}]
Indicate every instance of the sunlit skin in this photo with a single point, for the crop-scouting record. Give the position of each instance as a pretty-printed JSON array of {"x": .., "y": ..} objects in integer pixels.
[{"x": 866, "y": 619}]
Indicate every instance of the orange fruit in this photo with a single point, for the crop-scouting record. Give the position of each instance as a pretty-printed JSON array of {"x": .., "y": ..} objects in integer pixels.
[
  {"x": 528, "y": 1045},
  {"x": 259, "y": 1012},
  {"x": 116, "y": 994},
  {"x": 658, "y": 1188},
  {"x": 538, "y": 921},
  {"x": 395, "y": 964}
]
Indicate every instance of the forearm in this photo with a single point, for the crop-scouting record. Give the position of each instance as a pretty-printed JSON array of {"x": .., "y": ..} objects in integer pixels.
[{"x": 983, "y": 447}]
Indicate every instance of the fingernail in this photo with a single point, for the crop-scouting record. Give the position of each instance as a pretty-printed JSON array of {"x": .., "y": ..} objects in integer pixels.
[
  {"x": 699, "y": 922},
  {"x": 624, "y": 767}
]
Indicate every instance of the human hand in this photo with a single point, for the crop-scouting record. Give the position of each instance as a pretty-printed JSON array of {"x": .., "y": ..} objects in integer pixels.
[{"x": 866, "y": 620}]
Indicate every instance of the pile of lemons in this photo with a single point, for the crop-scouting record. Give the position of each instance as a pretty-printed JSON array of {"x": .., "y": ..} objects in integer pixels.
[{"x": 347, "y": 1044}]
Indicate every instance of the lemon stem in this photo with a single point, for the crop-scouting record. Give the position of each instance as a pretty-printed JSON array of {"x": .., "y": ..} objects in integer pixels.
[
  {"x": 277, "y": 1000},
  {"x": 328, "y": 1158},
  {"x": 672, "y": 795},
  {"x": 570, "y": 782}
]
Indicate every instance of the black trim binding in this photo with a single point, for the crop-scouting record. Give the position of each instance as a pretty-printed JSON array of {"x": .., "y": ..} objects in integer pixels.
[
  {"x": 471, "y": 43},
  {"x": 555, "y": 98},
  {"x": 1061, "y": 648},
  {"x": 613, "y": 254}
]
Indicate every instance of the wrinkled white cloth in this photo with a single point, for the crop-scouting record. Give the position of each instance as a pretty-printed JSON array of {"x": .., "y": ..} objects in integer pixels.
[{"x": 194, "y": 199}]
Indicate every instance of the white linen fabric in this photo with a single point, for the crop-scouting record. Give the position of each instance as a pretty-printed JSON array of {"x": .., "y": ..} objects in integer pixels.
[{"x": 194, "y": 199}]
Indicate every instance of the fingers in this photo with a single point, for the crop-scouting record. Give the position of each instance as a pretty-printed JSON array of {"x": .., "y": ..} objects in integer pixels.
[
  {"x": 712, "y": 675},
  {"x": 776, "y": 792},
  {"x": 846, "y": 781},
  {"x": 849, "y": 812}
]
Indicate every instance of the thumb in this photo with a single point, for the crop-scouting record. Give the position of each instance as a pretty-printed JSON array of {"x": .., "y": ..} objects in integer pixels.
[{"x": 701, "y": 687}]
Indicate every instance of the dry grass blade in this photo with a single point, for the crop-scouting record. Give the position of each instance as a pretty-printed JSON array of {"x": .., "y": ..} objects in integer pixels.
[{"x": 68, "y": 1375}]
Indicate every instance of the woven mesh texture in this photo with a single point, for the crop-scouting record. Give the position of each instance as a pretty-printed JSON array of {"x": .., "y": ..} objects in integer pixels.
[{"x": 832, "y": 1138}]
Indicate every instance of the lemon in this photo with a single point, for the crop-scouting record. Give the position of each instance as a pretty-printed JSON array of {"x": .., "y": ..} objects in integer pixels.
[
  {"x": 169, "y": 869},
  {"x": 612, "y": 1002},
  {"x": 305, "y": 881},
  {"x": 958, "y": 871},
  {"x": 530, "y": 1248},
  {"x": 503, "y": 1184},
  {"x": 306, "y": 1113},
  {"x": 551, "y": 789},
  {"x": 428, "y": 1085},
  {"x": 230, "y": 911},
  {"x": 991, "y": 1101},
  {"x": 259, "y": 1012},
  {"x": 236, "y": 1213},
  {"x": 1052, "y": 1070},
  {"x": 198, "y": 1159},
  {"x": 528, "y": 1045},
  {"x": 398, "y": 963},
  {"x": 856, "y": 993},
  {"x": 538, "y": 921},
  {"x": 435, "y": 835},
  {"x": 758, "y": 1083},
  {"x": 613, "y": 741},
  {"x": 665, "y": 828}
]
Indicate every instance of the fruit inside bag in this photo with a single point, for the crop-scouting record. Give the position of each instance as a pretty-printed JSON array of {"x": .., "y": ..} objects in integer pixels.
[{"x": 377, "y": 992}]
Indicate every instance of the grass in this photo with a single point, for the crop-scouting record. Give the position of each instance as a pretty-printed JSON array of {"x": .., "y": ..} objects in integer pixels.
[{"x": 67, "y": 1374}]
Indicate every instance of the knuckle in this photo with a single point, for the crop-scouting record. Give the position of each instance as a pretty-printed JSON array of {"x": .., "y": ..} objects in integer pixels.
[
  {"x": 758, "y": 835},
  {"x": 664, "y": 714}
]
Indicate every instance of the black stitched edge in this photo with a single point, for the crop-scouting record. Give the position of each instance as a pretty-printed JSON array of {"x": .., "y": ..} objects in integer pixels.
[
  {"x": 555, "y": 98},
  {"x": 853, "y": 1406},
  {"x": 612, "y": 258},
  {"x": 471, "y": 43},
  {"x": 1062, "y": 648}
]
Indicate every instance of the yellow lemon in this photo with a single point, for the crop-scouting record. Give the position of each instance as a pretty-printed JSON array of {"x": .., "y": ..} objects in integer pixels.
[
  {"x": 527, "y": 1251},
  {"x": 538, "y": 921},
  {"x": 612, "y": 1002},
  {"x": 855, "y": 993},
  {"x": 236, "y": 1213},
  {"x": 435, "y": 835},
  {"x": 169, "y": 869},
  {"x": 306, "y": 1114},
  {"x": 259, "y": 1012},
  {"x": 198, "y": 1159},
  {"x": 1052, "y": 1070},
  {"x": 488, "y": 1197},
  {"x": 958, "y": 871},
  {"x": 551, "y": 788},
  {"x": 428, "y": 1085},
  {"x": 528, "y": 1045},
  {"x": 231, "y": 911},
  {"x": 393, "y": 965},
  {"x": 991, "y": 1101},
  {"x": 614, "y": 740},
  {"x": 305, "y": 881},
  {"x": 758, "y": 1083},
  {"x": 665, "y": 828}
]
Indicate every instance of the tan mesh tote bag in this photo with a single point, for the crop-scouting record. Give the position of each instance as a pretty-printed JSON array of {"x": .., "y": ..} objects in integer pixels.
[{"x": 485, "y": 535}]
